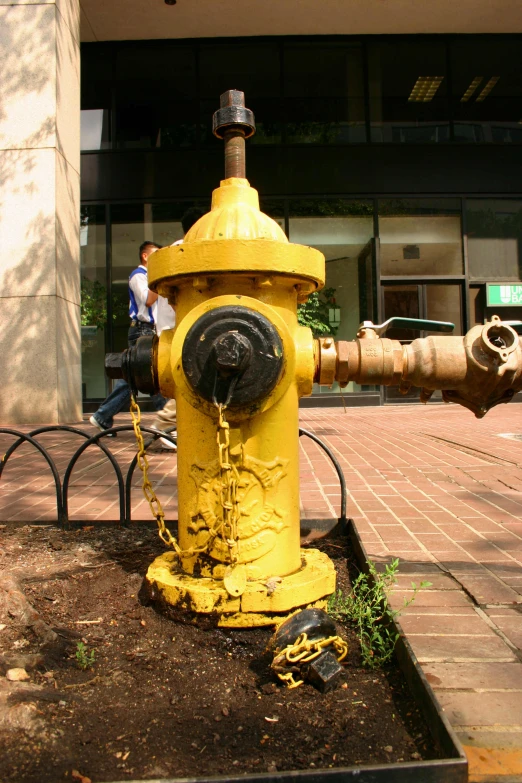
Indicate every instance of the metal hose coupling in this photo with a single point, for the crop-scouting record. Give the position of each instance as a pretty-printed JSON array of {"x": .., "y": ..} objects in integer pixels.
[{"x": 478, "y": 371}]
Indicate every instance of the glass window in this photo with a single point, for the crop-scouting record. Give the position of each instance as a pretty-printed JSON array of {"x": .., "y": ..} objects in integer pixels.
[
  {"x": 93, "y": 301},
  {"x": 97, "y": 74},
  {"x": 155, "y": 95},
  {"x": 407, "y": 86},
  {"x": 96, "y": 97},
  {"x": 420, "y": 237},
  {"x": 131, "y": 224},
  {"x": 324, "y": 94},
  {"x": 433, "y": 301},
  {"x": 94, "y": 129},
  {"x": 487, "y": 90},
  {"x": 166, "y": 225},
  {"x": 494, "y": 229},
  {"x": 343, "y": 231},
  {"x": 444, "y": 303},
  {"x": 254, "y": 68},
  {"x": 477, "y": 304}
]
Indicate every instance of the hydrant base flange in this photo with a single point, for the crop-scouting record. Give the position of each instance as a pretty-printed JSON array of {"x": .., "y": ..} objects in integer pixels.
[
  {"x": 262, "y": 602},
  {"x": 260, "y": 619}
]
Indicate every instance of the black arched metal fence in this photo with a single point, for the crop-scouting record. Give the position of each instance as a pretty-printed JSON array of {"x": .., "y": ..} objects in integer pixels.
[{"x": 124, "y": 484}]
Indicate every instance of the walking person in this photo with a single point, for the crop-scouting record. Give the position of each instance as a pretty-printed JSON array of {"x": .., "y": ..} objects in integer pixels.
[{"x": 142, "y": 312}]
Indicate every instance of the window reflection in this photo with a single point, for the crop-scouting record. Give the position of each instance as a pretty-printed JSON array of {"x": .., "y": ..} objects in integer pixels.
[
  {"x": 254, "y": 68},
  {"x": 420, "y": 237},
  {"x": 324, "y": 94},
  {"x": 131, "y": 225},
  {"x": 407, "y": 86},
  {"x": 96, "y": 97},
  {"x": 487, "y": 91},
  {"x": 494, "y": 228},
  {"x": 163, "y": 93},
  {"x": 93, "y": 300},
  {"x": 342, "y": 230},
  {"x": 431, "y": 300},
  {"x": 94, "y": 129},
  {"x": 155, "y": 89},
  {"x": 443, "y": 303},
  {"x": 166, "y": 225}
]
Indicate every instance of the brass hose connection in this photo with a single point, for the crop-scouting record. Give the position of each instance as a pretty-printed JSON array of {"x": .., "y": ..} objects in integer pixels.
[
  {"x": 367, "y": 360},
  {"x": 478, "y": 371}
]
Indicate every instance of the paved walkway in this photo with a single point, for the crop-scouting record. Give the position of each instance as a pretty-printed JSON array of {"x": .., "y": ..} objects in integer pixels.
[{"x": 430, "y": 485}]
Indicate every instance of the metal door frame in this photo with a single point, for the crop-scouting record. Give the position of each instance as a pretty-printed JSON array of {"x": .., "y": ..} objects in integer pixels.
[{"x": 421, "y": 281}]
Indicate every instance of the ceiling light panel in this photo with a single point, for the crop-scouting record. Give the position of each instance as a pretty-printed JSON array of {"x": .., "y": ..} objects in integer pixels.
[
  {"x": 425, "y": 88},
  {"x": 487, "y": 89},
  {"x": 471, "y": 89}
]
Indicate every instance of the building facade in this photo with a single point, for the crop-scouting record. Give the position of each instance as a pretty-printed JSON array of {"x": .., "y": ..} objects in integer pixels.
[
  {"x": 389, "y": 135},
  {"x": 393, "y": 156}
]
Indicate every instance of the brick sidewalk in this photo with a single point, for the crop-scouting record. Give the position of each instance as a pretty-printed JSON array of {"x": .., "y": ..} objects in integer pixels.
[{"x": 431, "y": 485}]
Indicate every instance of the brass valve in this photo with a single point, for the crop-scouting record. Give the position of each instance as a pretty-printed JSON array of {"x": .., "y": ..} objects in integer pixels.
[{"x": 478, "y": 371}]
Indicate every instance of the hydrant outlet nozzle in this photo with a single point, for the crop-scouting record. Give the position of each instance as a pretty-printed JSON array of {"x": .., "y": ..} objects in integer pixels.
[{"x": 136, "y": 365}]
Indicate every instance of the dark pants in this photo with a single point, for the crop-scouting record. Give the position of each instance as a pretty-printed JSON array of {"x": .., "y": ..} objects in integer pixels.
[{"x": 119, "y": 398}]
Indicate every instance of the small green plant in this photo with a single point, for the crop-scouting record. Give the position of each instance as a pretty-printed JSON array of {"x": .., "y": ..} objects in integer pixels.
[
  {"x": 315, "y": 311},
  {"x": 94, "y": 304},
  {"x": 368, "y": 609},
  {"x": 84, "y": 658}
]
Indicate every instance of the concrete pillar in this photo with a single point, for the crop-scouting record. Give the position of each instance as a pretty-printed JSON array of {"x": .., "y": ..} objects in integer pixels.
[{"x": 40, "y": 377}]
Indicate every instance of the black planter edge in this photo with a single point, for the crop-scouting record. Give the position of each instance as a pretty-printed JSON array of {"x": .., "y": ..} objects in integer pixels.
[{"x": 452, "y": 769}]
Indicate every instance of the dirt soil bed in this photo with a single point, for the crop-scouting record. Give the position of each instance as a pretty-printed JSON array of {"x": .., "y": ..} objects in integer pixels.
[{"x": 164, "y": 699}]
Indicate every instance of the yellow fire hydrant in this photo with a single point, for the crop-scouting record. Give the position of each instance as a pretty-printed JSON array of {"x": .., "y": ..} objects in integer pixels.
[{"x": 237, "y": 363}]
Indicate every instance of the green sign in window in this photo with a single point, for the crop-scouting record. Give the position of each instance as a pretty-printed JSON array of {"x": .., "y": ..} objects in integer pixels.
[{"x": 506, "y": 295}]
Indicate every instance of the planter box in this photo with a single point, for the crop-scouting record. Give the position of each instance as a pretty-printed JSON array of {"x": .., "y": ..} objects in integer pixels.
[{"x": 452, "y": 768}]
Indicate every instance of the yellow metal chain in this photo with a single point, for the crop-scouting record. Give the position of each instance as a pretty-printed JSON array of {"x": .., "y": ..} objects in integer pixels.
[
  {"x": 228, "y": 489},
  {"x": 148, "y": 490},
  {"x": 153, "y": 500},
  {"x": 304, "y": 651}
]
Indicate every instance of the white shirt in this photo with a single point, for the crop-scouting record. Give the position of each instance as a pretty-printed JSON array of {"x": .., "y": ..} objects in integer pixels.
[
  {"x": 140, "y": 288},
  {"x": 166, "y": 317}
]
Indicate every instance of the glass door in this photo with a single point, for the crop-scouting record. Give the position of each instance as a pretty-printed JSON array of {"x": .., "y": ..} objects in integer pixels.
[{"x": 434, "y": 301}]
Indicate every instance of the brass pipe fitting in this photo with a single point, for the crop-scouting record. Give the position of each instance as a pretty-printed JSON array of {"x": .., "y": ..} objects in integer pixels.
[
  {"x": 365, "y": 361},
  {"x": 478, "y": 371},
  {"x": 326, "y": 369}
]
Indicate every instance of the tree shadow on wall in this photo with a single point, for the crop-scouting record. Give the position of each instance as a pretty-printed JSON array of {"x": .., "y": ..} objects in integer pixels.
[{"x": 39, "y": 224}]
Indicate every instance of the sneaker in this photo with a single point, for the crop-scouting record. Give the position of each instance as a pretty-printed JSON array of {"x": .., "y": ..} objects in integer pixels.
[
  {"x": 161, "y": 444},
  {"x": 95, "y": 423}
]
